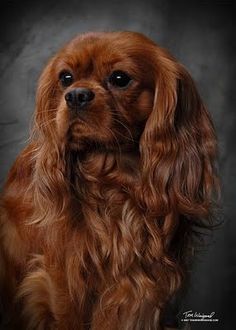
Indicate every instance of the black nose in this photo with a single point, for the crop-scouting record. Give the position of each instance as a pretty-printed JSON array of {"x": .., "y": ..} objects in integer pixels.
[{"x": 79, "y": 97}]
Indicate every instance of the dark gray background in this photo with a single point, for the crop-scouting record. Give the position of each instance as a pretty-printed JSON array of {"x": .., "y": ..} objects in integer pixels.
[{"x": 199, "y": 34}]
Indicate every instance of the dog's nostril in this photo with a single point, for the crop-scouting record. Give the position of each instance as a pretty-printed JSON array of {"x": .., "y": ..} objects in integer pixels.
[
  {"x": 69, "y": 97},
  {"x": 86, "y": 95}
]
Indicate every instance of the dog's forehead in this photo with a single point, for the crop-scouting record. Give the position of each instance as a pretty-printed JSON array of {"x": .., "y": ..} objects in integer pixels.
[
  {"x": 106, "y": 48},
  {"x": 103, "y": 41}
]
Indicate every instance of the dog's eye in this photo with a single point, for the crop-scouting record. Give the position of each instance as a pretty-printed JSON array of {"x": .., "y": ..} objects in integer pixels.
[
  {"x": 119, "y": 79},
  {"x": 66, "y": 78}
]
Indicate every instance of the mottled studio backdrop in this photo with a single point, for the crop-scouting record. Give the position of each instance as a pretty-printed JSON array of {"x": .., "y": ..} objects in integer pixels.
[{"x": 200, "y": 35}]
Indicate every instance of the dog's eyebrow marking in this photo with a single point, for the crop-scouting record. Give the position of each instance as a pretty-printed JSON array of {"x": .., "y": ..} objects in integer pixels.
[
  {"x": 89, "y": 67},
  {"x": 64, "y": 65}
]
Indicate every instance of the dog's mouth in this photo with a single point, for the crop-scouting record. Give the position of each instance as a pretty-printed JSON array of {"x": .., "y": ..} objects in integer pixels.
[
  {"x": 77, "y": 128},
  {"x": 77, "y": 114},
  {"x": 83, "y": 135},
  {"x": 89, "y": 131}
]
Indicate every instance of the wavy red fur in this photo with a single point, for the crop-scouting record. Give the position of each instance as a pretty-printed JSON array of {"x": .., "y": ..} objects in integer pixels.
[{"x": 98, "y": 214}]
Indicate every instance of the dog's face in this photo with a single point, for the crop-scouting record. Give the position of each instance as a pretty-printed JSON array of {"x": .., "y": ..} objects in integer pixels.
[{"x": 103, "y": 90}]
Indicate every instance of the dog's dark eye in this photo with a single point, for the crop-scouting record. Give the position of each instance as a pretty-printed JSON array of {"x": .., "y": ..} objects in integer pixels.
[
  {"x": 119, "y": 79},
  {"x": 66, "y": 78}
]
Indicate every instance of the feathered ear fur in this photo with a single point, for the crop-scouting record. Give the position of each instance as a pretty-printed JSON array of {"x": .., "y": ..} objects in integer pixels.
[
  {"x": 46, "y": 106},
  {"x": 178, "y": 149},
  {"x": 49, "y": 184}
]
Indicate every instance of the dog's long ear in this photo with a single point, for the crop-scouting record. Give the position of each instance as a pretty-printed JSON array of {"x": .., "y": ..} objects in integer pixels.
[
  {"x": 49, "y": 184},
  {"x": 178, "y": 145},
  {"x": 46, "y": 106},
  {"x": 178, "y": 151}
]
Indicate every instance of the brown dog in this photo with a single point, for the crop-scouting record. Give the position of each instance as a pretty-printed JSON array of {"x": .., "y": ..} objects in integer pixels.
[{"x": 99, "y": 208}]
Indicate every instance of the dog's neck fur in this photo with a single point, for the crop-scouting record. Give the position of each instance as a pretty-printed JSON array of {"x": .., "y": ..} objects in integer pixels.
[{"x": 117, "y": 170}]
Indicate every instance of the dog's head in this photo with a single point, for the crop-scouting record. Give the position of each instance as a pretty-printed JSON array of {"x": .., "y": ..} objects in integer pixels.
[
  {"x": 100, "y": 89},
  {"x": 119, "y": 91}
]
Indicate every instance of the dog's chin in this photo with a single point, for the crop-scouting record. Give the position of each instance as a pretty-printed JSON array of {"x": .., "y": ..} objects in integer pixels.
[
  {"x": 81, "y": 137},
  {"x": 86, "y": 138}
]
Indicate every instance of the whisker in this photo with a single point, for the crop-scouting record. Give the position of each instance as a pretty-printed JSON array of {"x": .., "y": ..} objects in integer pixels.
[
  {"x": 115, "y": 115},
  {"x": 49, "y": 110},
  {"x": 117, "y": 141},
  {"x": 128, "y": 130},
  {"x": 46, "y": 123}
]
